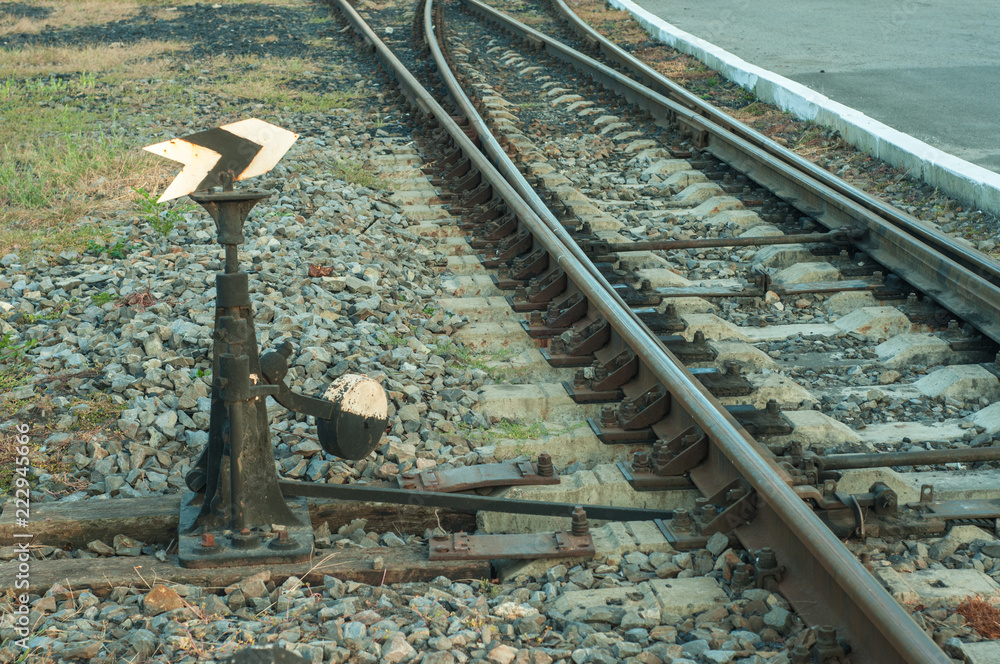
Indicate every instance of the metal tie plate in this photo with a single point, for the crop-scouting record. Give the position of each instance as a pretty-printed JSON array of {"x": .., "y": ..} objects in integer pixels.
[
  {"x": 468, "y": 478},
  {"x": 528, "y": 546}
]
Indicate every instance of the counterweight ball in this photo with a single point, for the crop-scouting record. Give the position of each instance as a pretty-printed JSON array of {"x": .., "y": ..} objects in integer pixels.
[{"x": 359, "y": 419}]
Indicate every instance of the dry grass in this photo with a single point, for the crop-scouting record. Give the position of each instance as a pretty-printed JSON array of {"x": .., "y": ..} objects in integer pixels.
[
  {"x": 62, "y": 161},
  {"x": 68, "y": 14},
  {"x": 981, "y": 616},
  {"x": 266, "y": 80},
  {"x": 134, "y": 60},
  {"x": 77, "y": 13},
  {"x": 616, "y": 24},
  {"x": 74, "y": 158}
]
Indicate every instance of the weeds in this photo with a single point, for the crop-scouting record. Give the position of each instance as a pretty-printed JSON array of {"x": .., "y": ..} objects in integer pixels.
[
  {"x": 158, "y": 215},
  {"x": 519, "y": 431},
  {"x": 490, "y": 363},
  {"x": 507, "y": 430},
  {"x": 391, "y": 340},
  {"x": 98, "y": 411},
  {"x": 13, "y": 377},
  {"x": 356, "y": 173},
  {"x": 12, "y": 352},
  {"x": 14, "y": 362},
  {"x": 120, "y": 249},
  {"x": 100, "y": 299},
  {"x": 489, "y": 588}
]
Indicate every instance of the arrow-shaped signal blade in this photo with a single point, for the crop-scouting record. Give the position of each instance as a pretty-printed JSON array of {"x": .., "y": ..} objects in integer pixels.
[
  {"x": 246, "y": 148},
  {"x": 198, "y": 163},
  {"x": 274, "y": 142}
]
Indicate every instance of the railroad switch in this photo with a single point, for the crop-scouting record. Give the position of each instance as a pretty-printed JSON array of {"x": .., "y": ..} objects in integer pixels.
[
  {"x": 235, "y": 512},
  {"x": 877, "y": 513}
]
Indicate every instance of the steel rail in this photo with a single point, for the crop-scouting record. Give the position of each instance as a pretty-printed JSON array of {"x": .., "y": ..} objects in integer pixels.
[
  {"x": 916, "y": 458},
  {"x": 969, "y": 296},
  {"x": 813, "y": 557},
  {"x": 976, "y": 261},
  {"x": 705, "y": 243}
]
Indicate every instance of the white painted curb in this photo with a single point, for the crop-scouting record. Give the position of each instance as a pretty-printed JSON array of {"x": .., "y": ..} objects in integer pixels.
[{"x": 966, "y": 181}]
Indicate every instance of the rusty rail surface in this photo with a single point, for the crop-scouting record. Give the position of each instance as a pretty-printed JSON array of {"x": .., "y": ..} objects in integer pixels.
[
  {"x": 914, "y": 252},
  {"x": 817, "y": 564}
]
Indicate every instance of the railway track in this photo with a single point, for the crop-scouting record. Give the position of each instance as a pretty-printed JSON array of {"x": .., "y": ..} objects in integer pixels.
[
  {"x": 583, "y": 321},
  {"x": 613, "y": 243}
]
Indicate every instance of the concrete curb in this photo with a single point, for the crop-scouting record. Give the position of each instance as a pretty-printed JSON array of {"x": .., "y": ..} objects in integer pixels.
[{"x": 964, "y": 180}]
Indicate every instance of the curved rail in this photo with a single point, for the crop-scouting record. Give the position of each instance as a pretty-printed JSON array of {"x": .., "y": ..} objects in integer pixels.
[
  {"x": 817, "y": 564},
  {"x": 969, "y": 296},
  {"x": 974, "y": 260}
]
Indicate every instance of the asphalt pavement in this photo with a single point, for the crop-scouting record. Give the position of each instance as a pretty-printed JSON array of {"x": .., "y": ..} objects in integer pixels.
[{"x": 930, "y": 69}]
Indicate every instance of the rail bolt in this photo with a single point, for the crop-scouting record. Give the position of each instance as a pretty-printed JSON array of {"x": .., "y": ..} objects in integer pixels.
[
  {"x": 741, "y": 577},
  {"x": 681, "y": 521},
  {"x": 245, "y": 540},
  {"x": 545, "y": 468},
  {"x": 609, "y": 416},
  {"x": 766, "y": 558},
  {"x": 801, "y": 655},
  {"x": 579, "y": 527},
  {"x": 283, "y": 541},
  {"x": 886, "y": 500},
  {"x": 828, "y": 647},
  {"x": 766, "y": 567}
]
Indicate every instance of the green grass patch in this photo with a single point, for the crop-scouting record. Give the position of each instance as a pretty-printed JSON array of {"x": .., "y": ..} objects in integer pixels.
[
  {"x": 506, "y": 430},
  {"x": 96, "y": 411},
  {"x": 491, "y": 363},
  {"x": 53, "y": 161},
  {"x": 357, "y": 173},
  {"x": 518, "y": 430},
  {"x": 13, "y": 377},
  {"x": 162, "y": 217},
  {"x": 100, "y": 299},
  {"x": 279, "y": 84}
]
